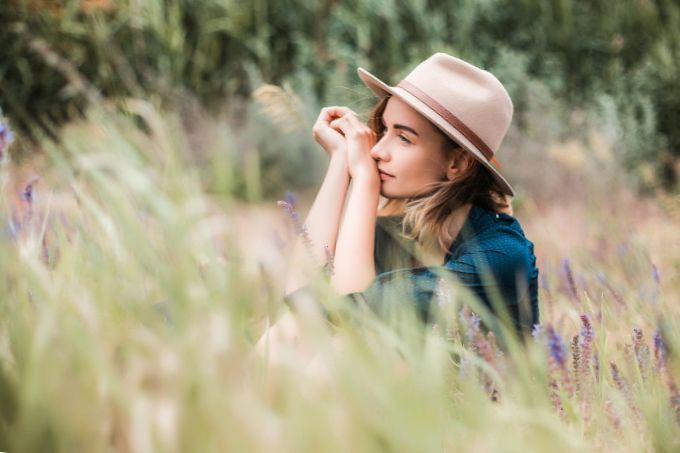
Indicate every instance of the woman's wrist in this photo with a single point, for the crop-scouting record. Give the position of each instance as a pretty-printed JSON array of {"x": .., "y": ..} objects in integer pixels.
[{"x": 367, "y": 180}]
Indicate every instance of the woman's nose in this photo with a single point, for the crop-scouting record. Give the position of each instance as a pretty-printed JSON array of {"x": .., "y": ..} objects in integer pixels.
[{"x": 379, "y": 152}]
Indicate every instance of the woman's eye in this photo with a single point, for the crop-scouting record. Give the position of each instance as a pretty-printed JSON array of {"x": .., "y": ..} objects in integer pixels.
[{"x": 404, "y": 139}]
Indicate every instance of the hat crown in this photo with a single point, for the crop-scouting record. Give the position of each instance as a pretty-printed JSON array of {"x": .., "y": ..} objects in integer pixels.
[{"x": 474, "y": 96}]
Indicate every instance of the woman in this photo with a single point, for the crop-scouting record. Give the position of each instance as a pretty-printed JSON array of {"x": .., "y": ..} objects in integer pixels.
[{"x": 429, "y": 150}]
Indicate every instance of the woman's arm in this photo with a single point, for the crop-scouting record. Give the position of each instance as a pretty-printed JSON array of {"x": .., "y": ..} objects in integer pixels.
[
  {"x": 323, "y": 220},
  {"x": 354, "y": 269},
  {"x": 354, "y": 265}
]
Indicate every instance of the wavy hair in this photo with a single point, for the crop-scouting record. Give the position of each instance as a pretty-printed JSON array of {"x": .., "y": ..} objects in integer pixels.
[{"x": 427, "y": 216}]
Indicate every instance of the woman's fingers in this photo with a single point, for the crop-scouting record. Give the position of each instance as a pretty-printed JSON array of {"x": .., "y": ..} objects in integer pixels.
[
  {"x": 328, "y": 114},
  {"x": 350, "y": 125}
]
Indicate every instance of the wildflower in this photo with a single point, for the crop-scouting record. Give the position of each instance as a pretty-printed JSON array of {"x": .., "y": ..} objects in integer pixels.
[
  {"x": 660, "y": 353},
  {"x": 556, "y": 367},
  {"x": 291, "y": 198},
  {"x": 543, "y": 282},
  {"x": 586, "y": 343},
  {"x": 536, "y": 332},
  {"x": 641, "y": 351},
  {"x": 471, "y": 322},
  {"x": 6, "y": 138},
  {"x": 300, "y": 228},
  {"x": 571, "y": 283},
  {"x": 556, "y": 347},
  {"x": 623, "y": 387},
  {"x": 28, "y": 195},
  {"x": 657, "y": 282},
  {"x": 656, "y": 274},
  {"x": 596, "y": 366},
  {"x": 575, "y": 361}
]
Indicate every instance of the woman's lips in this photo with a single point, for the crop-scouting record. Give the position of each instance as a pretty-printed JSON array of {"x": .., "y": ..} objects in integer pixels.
[{"x": 384, "y": 175}]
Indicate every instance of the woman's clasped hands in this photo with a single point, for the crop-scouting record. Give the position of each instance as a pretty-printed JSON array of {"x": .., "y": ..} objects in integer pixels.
[{"x": 339, "y": 130}]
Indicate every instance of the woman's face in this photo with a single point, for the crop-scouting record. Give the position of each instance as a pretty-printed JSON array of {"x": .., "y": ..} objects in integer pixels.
[{"x": 410, "y": 153}]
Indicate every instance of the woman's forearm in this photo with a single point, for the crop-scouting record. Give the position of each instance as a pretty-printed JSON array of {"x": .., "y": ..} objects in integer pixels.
[
  {"x": 354, "y": 269},
  {"x": 322, "y": 223}
]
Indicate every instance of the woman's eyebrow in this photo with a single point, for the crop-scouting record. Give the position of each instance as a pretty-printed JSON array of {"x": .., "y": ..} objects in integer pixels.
[
  {"x": 402, "y": 127},
  {"x": 405, "y": 128}
]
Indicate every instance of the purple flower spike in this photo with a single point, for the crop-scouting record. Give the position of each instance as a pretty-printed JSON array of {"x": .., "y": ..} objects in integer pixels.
[
  {"x": 291, "y": 198},
  {"x": 29, "y": 194},
  {"x": 660, "y": 352},
  {"x": 586, "y": 343},
  {"x": 656, "y": 274},
  {"x": 571, "y": 283},
  {"x": 300, "y": 228},
  {"x": 6, "y": 138},
  {"x": 556, "y": 347}
]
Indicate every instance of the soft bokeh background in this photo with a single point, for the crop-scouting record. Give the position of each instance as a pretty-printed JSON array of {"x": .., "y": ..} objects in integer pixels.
[{"x": 143, "y": 252}]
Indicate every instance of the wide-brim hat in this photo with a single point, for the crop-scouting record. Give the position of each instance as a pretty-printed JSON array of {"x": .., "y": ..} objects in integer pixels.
[{"x": 469, "y": 104}]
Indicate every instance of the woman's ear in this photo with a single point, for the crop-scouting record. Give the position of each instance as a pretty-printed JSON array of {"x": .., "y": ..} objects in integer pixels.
[{"x": 460, "y": 161}]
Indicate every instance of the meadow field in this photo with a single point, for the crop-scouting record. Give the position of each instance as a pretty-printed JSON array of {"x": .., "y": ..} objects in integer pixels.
[{"x": 143, "y": 252}]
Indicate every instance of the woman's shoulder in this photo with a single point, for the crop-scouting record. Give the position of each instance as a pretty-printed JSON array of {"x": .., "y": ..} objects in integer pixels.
[
  {"x": 496, "y": 236},
  {"x": 488, "y": 227}
]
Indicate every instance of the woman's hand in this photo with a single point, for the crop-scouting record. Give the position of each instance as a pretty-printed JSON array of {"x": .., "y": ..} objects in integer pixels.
[
  {"x": 330, "y": 139},
  {"x": 360, "y": 139}
]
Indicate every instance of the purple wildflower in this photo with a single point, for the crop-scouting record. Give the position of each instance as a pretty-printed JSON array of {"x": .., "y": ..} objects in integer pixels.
[
  {"x": 300, "y": 228},
  {"x": 537, "y": 332},
  {"x": 557, "y": 368},
  {"x": 656, "y": 275},
  {"x": 291, "y": 198},
  {"x": 623, "y": 387},
  {"x": 28, "y": 195},
  {"x": 641, "y": 351},
  {"x": 471, "y": 322},
  {"x": 571, "y": 283},
  {"x": 586, "y": 343},
  {"x": 596, "y": 365},
  {"x": 660, "y": 352},
  {"x": 556, "y": 347},
  {"x": 6, "y": 138}
]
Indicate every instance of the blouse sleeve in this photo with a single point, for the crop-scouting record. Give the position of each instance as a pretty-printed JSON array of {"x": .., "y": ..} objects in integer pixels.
[{"x": 506, "y": 276}]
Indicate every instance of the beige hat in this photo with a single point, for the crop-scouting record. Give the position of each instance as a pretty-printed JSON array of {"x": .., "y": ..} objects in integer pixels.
[{"x": 468, "y": 104}]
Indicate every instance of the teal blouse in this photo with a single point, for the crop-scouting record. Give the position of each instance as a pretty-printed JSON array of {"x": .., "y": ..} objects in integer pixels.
[{"x": 490, "y": 256}]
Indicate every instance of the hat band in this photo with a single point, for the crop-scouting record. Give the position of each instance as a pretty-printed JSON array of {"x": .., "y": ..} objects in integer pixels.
[{"x": 449, "y": 117}]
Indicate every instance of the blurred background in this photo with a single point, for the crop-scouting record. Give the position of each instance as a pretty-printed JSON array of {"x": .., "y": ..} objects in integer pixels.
[
  {"x": 162, "y": 132},
  {"x": 595, "y": 84}
]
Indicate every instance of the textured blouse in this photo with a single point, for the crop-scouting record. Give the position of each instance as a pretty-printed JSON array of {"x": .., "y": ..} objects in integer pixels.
[{"x": 491, "y": 257}]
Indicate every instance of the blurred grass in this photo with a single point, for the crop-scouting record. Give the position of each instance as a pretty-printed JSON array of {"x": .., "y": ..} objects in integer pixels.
[
  {"x": 141, "y": 268},
  {"x": 132, "y": 306}
]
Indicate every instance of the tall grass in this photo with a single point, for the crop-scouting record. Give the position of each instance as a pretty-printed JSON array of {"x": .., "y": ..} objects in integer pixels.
[{"x": 129, "y": 321}]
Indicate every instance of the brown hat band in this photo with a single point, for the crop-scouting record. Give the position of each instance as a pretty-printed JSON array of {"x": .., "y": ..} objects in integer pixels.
[{"x": 450, "y": 118}]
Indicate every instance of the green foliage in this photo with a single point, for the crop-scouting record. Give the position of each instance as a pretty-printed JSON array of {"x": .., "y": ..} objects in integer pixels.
[{"x": 54, "y": 58}]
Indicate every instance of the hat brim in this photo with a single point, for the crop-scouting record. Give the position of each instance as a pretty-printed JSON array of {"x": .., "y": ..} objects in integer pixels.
[{"x": 381, "y": 89}]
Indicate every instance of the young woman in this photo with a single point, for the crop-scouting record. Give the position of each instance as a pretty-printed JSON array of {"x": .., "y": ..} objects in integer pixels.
[{"x": 429, "y": 151}]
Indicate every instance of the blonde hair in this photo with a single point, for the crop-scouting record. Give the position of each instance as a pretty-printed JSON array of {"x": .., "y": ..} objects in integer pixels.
[{"x": 427, "y": 216}]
